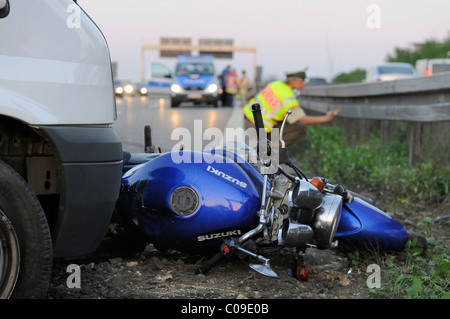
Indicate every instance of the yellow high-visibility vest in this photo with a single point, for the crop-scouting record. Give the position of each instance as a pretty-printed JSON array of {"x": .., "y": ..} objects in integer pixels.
[{"x": 275, "y": 99}]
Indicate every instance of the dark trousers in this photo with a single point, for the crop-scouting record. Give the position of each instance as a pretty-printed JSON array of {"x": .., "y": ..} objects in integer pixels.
[
  {"x": 229, "y": 99},
  {"x": 291, "y": 133}
]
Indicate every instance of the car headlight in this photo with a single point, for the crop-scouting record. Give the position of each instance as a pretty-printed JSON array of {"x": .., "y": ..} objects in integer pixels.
[
  {"x": 119, "y": 90},
  {"x": 212, "y": 88},
  {"x": 176, "y": 88},
  {"x": 128, "y": 89},
  {"x": 143, "y": 90}
]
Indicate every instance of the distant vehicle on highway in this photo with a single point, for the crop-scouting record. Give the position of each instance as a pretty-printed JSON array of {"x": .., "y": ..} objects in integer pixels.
[
  {"x": 141, "y": 89},
  {"x": 390, "y": 71},
  {"x": 129, "y": 88},
  {"x": 160, "y": 76},
  {"x": 118, "y": 88},
  {"x": 316, "y": 80},
  {"x": 124, "y": 87},
  {"x": 195, "y": 80},
  {"x": 427, "y": 67}
]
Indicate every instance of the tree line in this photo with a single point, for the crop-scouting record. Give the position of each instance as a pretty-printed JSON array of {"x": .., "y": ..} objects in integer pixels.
[{"x": 430, "y": 49}]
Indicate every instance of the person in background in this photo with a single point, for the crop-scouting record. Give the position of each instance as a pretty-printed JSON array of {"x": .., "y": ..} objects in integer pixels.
[
  {"x": 242, "y": 87},
  {"x": 230, "y": 87},
  {"x": 278, "y": 97},
  {"x": 224, "y": 73}
]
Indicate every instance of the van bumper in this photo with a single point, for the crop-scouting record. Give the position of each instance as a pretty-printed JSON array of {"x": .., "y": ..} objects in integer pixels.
[
  {"x": 90, "y": 161},
  {"x": 209, "y": 98}
]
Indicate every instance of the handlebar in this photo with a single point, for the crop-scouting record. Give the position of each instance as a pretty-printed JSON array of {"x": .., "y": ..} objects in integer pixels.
[
  {"x": 259, "y": 123},
  {"x": 203, "y": 269},
  {"x": 259, "y": 126}
]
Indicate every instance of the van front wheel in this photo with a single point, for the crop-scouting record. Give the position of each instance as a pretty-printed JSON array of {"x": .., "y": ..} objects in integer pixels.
[{"x": 26, "y": 246}]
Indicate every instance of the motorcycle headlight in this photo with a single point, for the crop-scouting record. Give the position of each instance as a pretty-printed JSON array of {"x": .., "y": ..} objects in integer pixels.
[
  {"x": 305, "y": 195},
  {"x": 176, "y": 88},
  {"x": 326, "y": 219},
  {"x": 212, "y": 88}
]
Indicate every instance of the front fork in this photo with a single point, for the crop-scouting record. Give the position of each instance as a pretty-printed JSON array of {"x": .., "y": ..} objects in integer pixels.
[{"x": 230, "y": 246}]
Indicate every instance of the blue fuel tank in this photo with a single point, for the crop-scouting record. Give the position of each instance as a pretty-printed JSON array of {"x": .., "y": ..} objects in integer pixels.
[{"x": 190, "y": 201}]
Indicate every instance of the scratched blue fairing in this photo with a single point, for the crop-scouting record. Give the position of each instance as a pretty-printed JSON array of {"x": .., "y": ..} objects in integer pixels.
[{"x": 364, "y": 226}]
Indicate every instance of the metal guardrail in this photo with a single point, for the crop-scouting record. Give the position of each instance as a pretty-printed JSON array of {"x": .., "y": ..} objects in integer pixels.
[
  {"x": 421, "y": 99},
  {"x": 422, "y": 102}
]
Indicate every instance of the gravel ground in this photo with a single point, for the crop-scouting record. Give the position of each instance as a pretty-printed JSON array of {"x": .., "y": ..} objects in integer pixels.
[
  {"x": 151, "y": 274},
  {"x": 121, "y": 270}
]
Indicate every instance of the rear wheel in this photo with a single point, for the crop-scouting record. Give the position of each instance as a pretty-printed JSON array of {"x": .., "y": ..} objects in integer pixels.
[{"x": 26, "y": 246}]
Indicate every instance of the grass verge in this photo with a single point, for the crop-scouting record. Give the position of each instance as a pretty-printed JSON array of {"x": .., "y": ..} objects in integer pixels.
[{"x": 412, "y": 273}]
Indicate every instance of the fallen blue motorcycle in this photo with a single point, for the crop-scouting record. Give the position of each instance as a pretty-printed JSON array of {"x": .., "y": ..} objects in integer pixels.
[{"x": 216, "y": 203}]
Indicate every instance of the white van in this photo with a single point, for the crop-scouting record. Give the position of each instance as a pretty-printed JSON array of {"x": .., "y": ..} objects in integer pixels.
[
  {"x": 390, "y": 71},
  {"x": 60, "y": 159},
  {"x": 427, "y": 67}
]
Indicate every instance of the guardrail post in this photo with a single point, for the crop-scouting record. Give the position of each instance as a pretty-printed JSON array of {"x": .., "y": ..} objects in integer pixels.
[{"x": 415, "y": 142}]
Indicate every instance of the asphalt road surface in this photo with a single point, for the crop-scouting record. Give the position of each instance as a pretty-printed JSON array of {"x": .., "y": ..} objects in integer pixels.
[{"x": 193, "y": 126}]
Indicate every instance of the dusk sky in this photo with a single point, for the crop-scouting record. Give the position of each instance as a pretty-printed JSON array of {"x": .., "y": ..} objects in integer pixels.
[{"x": 328, "y": 36}]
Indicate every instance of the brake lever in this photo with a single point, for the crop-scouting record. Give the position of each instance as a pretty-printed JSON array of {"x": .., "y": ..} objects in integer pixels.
[{"x": 283, "y": 144}]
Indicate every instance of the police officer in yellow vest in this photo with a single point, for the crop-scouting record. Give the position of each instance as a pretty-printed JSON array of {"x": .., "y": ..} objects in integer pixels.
[{"x": 278, "y": 97}]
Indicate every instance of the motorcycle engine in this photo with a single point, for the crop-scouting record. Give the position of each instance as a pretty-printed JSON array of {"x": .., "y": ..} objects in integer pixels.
[{"x": 301, "y": 214}]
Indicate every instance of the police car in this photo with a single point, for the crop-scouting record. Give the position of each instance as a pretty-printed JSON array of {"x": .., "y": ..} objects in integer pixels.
[{"x": 195, "y": 81}]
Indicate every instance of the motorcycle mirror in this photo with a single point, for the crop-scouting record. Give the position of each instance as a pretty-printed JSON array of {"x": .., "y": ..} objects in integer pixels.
[{"x": 264, "y": 270}]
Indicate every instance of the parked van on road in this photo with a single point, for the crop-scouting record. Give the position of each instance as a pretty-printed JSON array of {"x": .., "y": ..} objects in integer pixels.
[{"x": 60, "y": 159}]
